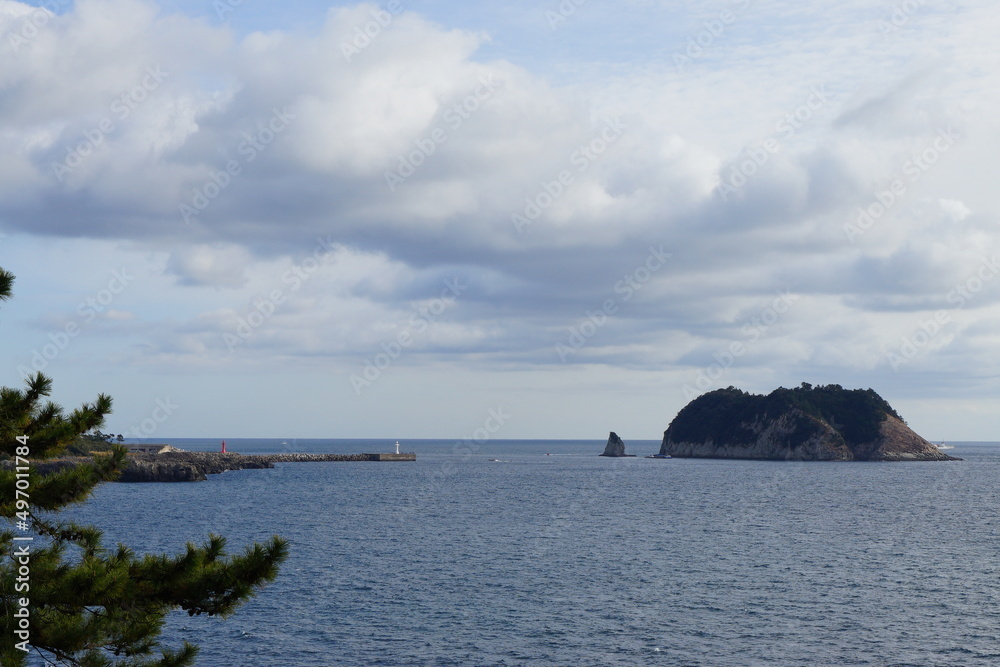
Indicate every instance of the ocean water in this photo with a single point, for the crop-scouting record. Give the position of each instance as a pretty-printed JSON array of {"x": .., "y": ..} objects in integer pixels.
[{"x": 552, "y": 555}]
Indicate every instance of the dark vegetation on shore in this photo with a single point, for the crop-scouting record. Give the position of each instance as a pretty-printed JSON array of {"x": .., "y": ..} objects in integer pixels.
[{"x": 84, "y": 445}]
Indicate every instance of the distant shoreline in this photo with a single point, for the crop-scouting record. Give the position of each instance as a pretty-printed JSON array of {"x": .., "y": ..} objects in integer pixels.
[{"x": 196, "y": 466}]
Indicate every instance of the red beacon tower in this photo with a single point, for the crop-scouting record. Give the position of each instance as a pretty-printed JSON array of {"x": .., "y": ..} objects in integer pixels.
[{"x": 224, "y": 447}]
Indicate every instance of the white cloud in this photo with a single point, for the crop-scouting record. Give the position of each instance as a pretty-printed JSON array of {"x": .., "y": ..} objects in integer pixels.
[
  {"x": 955, "y": 210},
  {"x": 216, "y": 265}
]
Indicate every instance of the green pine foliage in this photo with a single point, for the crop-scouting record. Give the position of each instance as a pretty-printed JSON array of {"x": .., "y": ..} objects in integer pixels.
[
  {"x": 91, "y": 605},
  {"x": 726, "y": 415},
  {"x": 49, "y": 429},
  {"x": 6, "y": 284}
]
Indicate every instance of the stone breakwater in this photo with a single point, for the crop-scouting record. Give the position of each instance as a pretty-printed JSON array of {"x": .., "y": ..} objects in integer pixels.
[{"x": 196, "y": 466}]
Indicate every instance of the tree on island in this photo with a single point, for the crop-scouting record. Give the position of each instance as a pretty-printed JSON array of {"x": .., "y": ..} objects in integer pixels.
[{"x": 89, "y": 605}]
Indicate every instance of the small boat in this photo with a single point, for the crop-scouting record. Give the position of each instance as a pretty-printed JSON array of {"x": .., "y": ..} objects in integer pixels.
[
  {"x": 945, "y": 445},
  {"x": 658, "y": 456}
]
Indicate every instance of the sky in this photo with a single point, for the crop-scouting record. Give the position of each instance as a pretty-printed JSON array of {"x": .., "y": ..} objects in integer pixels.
[{"x": 433, "y": 219}]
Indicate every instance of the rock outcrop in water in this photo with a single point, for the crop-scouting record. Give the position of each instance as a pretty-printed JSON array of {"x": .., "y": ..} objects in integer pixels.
[
  {"x": 826, "y": 423},
  {"x": 615, "y": 447}
]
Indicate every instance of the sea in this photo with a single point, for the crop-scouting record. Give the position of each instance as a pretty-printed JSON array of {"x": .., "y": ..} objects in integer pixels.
[{"x": 543, "y": 553}]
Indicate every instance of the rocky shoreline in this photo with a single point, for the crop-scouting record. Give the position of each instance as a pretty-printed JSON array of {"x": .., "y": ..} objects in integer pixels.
[{"x": 196, "y": 466}]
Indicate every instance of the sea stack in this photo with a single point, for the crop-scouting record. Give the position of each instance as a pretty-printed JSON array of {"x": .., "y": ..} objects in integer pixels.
[
  {"x": 615, "y": 446},
  {"x": 824, "y": 423}
]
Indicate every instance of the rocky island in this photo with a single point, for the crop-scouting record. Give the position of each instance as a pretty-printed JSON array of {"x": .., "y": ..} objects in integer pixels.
[{"x": 823, "y": 423}]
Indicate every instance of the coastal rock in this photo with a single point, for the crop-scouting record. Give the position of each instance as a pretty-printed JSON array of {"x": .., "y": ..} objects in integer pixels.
[
  {"x": 615, "y": 447},
  {"x": 827, "y": 423},
  {"x": 152, "y": 471},
  {"x": 186, "y": 466}
]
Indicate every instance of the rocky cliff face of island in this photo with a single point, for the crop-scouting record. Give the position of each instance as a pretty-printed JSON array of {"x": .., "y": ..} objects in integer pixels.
[{"x": 804, "y": 424}]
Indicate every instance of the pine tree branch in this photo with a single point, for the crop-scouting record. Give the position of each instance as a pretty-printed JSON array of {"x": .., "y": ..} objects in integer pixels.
[
  {"x": 6, "y": 284},
  {"x": 92, "y": 607}
]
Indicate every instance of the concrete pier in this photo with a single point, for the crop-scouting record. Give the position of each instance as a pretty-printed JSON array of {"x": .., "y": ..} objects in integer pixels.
[{"x": 392, "y": 457}]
